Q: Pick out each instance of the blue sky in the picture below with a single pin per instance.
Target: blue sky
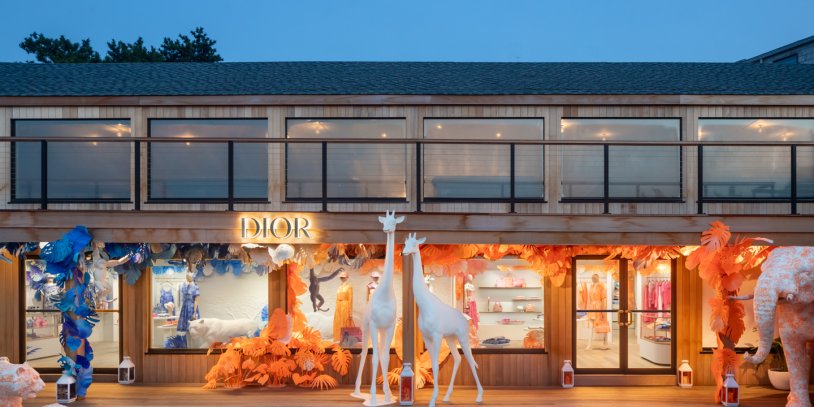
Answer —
(419, 30)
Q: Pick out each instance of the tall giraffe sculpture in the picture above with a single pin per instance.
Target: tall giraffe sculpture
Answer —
(379, 320)
(437, 322)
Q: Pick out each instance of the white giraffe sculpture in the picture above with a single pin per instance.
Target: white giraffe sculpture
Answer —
(438, 321)
(379, 319)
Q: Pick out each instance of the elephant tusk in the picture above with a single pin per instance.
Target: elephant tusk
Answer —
(742, 297)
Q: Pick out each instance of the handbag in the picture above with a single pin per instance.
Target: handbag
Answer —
(601, 326)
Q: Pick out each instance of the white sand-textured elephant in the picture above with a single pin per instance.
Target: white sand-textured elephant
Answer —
(18, 382)
(784, 296)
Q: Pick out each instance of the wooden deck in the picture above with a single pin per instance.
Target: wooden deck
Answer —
(109, 394)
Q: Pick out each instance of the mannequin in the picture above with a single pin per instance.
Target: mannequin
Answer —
(343, 317)
(167, 299)
(189, 303)
(470, 302)
(374, 282)
(313, 287)
(597, 320)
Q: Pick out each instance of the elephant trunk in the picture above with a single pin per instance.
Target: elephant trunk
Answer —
(765, 303)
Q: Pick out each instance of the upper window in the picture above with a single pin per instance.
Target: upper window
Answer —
(353, 171)
(480, 171)
(756, 172)
(76, 171)
(633, 172)
(200, 171)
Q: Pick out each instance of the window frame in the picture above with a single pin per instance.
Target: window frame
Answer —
(229, 200)
(148, 318)
(511, 200)
(793, 198)
(44, 200)
(324, 198)
(606, 200)
(23, 310)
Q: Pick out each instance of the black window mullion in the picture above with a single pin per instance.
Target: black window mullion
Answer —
(43, 174)
(793, 179)
(606, 177)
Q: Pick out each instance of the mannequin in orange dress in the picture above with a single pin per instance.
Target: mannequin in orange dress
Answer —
(597, 297)
(343, 316)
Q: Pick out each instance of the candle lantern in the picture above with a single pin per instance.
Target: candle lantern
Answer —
(684, 375)
(730, 392)
(406, 386)
(66, 388)
(567, 377)
(127, 371)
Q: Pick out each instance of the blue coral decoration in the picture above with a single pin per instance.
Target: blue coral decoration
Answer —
(76, 303)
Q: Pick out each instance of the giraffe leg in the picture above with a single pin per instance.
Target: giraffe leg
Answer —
(362, 357)
(385, 361)
(472, 365)
(456, 358)
(374, 366)
(435, 349)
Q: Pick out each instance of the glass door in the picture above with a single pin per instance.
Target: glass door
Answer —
(622, 317)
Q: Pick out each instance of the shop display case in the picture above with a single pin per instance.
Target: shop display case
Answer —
(655, 340)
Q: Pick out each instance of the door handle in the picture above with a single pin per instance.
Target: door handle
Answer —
(628, 317)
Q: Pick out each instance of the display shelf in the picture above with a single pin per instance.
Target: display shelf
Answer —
(528, 299)
(510, 312)
(511, 288)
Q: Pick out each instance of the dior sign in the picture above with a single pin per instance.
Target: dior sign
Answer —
(278, 227)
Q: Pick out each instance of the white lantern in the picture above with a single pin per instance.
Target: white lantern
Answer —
(730, 393)
(567, 377)
(66, 388)
(684, 376)
(127, 371)
(406, 386)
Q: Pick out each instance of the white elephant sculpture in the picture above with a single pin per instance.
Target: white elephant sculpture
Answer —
(784, 295)
(18, 382)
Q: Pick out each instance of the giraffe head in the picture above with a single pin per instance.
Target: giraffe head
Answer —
(389, 220)
(411, 244)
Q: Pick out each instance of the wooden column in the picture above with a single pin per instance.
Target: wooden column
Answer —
(408, 310)
(10, 275)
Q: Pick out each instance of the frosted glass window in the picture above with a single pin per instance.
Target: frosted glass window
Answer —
(201, 170)
(634, 172)
(76, 170)
(376, 170)
(756, 172)
(482, 171)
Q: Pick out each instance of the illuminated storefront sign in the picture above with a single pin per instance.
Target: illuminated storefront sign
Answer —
(277, 227)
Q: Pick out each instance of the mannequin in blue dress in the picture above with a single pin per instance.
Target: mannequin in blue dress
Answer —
(189, 304)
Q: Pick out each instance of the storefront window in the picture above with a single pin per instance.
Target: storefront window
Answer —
(503, 299)
(354, 171)
(756, 172)
(43, 321)
(200, 306)
(505, 302)
(76, 170)
(201, 170)
(338, 294)
(634, 172)
(461, 171)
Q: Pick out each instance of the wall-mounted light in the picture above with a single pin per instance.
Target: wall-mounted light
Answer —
(384, 135)
(498, 135)
(439, 127)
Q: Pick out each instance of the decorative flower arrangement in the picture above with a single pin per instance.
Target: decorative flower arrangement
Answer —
(724, 266)
(278, 356)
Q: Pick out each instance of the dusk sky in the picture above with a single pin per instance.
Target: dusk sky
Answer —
(460, 30)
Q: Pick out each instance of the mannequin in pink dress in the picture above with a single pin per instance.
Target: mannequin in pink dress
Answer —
(471, 301)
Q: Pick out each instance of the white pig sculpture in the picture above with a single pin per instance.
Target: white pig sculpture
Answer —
(18, 382)
(206, 331)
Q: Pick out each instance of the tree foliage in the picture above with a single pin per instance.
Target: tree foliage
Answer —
(197, 47)
(59, 50)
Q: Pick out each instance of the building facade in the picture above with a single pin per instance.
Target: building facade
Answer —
(585, 156)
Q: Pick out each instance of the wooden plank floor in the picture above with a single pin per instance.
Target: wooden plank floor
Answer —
(113, 395)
